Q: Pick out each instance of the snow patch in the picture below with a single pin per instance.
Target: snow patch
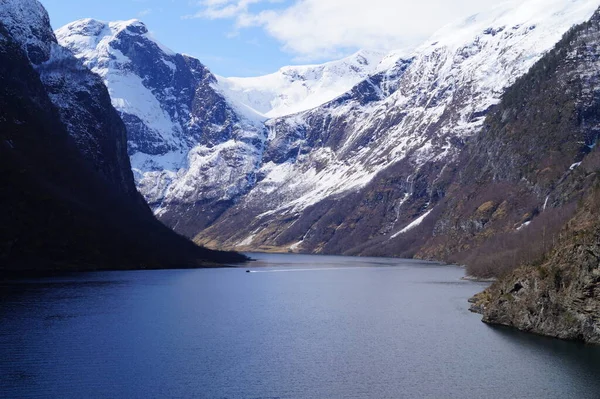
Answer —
(247, 241)
(575, 165)
(411, 226)
(296, 246)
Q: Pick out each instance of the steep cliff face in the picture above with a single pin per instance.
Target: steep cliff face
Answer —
(548, 120)
(521, 177)
(558, 297)
(67, 192)
(81, 97)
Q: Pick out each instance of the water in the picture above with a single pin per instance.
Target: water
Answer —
(346, 328)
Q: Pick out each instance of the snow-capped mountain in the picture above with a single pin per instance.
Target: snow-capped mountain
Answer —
(187, 144)
(348, 173)
(69, 201)
(320, 188)
(295, 89)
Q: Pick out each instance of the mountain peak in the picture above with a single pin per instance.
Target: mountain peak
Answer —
(94, 27)
(29, 24)
(88, 32)
(133, 26)
(298, 88)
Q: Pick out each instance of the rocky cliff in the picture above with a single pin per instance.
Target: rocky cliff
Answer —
(559, 296)
(67, 191)
(557, 292)
(95, 127)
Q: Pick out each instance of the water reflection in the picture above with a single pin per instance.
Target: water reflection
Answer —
(359, 327)
(581, 361)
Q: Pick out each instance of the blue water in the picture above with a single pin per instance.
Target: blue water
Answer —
(296, 327)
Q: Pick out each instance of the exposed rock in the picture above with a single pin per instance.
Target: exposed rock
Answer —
(67, 192)
(560, 298)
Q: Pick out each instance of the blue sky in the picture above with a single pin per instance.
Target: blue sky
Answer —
(255, 37)
(250, 52)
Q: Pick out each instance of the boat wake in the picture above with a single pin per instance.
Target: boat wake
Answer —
(307, 270)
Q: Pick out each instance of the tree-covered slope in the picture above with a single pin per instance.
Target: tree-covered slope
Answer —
(519, 179)
(539, 142)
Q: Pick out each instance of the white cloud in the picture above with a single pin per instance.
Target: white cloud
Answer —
(321, 28)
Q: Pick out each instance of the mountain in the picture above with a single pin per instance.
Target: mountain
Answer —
(68, 196)
(295, 89)
(546, 150)
(367, 173)
(191, 151)
(364, 174)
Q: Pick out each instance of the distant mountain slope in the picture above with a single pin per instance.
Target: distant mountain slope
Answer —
(68, 196)
(364, 173)
(352, 175)
(296, 89)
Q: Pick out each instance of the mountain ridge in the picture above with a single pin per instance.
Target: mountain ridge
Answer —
(402, 127)
(440, 99)
(410, 120)
(294, 89)
(68, 193)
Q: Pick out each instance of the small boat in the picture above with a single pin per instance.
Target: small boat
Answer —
(247, 271)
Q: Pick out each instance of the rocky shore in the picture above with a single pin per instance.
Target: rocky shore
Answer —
(560, 298)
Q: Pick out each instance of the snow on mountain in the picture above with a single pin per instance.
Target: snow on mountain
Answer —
(187, 144)
(413, 117)
(261, 161)
(29, 24)
(92, 41)
(295, 89)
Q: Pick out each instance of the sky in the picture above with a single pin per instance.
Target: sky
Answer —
(256, 37)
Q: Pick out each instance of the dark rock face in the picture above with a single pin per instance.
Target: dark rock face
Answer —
(559, 297)
(85, 108)
(557, 293)
(81, 97)
(64, 208)
(531, 163)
